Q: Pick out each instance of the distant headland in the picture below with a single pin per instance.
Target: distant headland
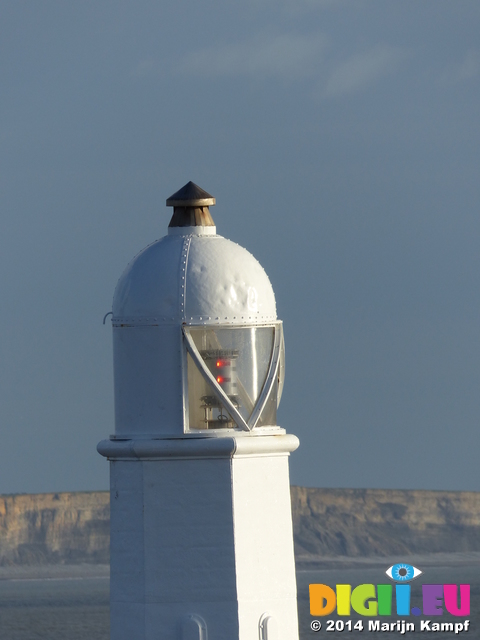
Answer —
(73, 528)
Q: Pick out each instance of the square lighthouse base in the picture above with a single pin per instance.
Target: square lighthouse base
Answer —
(202, 549)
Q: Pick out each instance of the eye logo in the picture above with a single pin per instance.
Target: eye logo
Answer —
(403, 572)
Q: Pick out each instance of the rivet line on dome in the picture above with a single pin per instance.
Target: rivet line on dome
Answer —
(136, 321)
(184, 259)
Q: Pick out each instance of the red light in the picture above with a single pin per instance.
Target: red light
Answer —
(222, 363)
(219, 379)
(219, 363)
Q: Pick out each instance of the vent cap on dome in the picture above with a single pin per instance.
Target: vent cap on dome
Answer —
(191, 195)
(190, 207)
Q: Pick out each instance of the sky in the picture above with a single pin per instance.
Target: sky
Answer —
(341, 141)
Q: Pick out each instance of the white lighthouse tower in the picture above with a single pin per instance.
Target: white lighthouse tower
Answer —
(201, 526)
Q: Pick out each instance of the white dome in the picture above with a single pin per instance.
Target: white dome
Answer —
(195, 277)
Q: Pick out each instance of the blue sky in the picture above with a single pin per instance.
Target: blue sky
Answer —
(341, 140)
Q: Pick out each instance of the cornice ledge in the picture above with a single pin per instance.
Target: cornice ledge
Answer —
(178, 448)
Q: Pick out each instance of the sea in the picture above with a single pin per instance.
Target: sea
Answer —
(72, 602)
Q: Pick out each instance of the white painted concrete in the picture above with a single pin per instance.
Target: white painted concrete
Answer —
(209, 535)
(265, 565)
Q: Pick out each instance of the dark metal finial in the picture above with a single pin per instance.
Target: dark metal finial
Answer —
(190, 207)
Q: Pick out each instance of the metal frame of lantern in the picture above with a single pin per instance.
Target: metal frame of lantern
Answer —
(272, 373)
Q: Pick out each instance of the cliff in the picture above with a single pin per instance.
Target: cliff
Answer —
(51, 528)
(70, 528)
(378, 522)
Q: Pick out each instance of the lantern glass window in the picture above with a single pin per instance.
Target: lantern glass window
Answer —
(239, 361)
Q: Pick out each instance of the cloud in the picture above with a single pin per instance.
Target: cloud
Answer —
(287, 55)
(264, 55)
(363, 69)
(465, 70)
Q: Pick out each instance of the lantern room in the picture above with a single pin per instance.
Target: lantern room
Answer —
(198, 348)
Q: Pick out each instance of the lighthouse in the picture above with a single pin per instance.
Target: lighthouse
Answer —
(201, 525)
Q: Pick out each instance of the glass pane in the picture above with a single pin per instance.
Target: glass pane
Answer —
(238, 358)
(268, 417)
(281, 370)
